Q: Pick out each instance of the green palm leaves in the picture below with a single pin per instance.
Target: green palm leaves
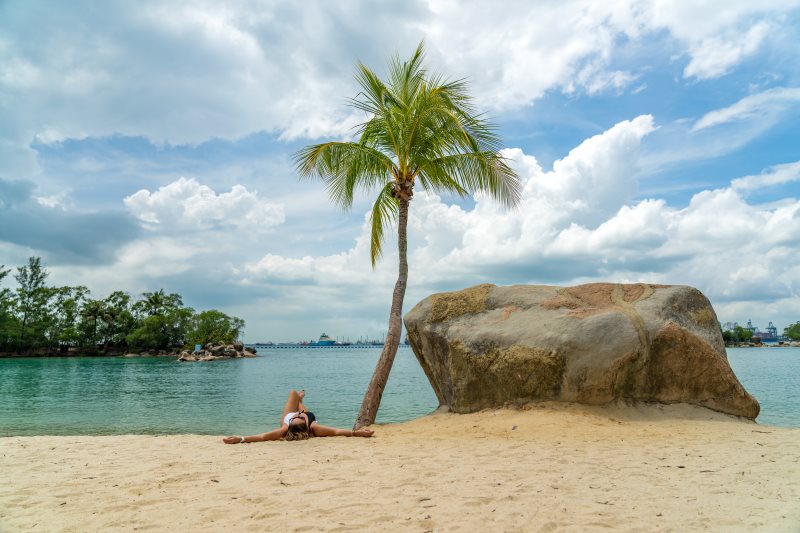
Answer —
(420, 129)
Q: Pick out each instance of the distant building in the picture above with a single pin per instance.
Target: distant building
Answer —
(769, 335)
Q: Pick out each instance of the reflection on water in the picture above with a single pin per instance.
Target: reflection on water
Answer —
(95, 396)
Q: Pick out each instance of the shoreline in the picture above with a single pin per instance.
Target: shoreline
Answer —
(761, 345)
(542, 467)
(129, 355)
(86, 355)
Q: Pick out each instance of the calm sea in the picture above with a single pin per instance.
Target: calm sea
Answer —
(99, 396)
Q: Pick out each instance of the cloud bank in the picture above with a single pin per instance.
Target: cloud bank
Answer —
(578, 223)
(184, 73)
(63, 234)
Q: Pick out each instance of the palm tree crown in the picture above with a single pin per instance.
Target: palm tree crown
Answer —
(421, 129)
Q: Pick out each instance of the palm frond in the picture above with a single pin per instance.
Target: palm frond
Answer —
(384, 210)
(375, 95)
(477, 171)
(406, 77)
(344, 167)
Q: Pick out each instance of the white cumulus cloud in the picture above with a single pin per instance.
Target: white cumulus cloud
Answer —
(185, 204)
(714, 56)
(587, 187)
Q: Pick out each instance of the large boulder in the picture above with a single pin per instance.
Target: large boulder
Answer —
(597, 343)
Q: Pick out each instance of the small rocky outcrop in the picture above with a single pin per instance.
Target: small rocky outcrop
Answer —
(598, 343)
(212, 352)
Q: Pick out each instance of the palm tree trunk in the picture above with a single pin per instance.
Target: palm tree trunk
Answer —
(22, 331)
(372, 398)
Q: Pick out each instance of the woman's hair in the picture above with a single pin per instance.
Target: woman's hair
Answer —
(298, 432)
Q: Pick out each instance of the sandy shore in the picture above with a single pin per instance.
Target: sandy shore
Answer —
(546, 468)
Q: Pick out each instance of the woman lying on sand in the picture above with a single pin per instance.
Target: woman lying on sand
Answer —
(298, 423)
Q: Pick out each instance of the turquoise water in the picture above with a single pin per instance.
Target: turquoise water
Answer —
(98, 396)
(772, 375)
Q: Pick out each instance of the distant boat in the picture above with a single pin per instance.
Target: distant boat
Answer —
(764, 336)
(324, 340)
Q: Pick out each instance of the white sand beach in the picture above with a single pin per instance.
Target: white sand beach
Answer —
(547, 467)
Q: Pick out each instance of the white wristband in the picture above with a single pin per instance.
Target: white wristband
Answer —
(241, 441)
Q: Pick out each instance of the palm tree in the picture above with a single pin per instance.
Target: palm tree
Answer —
(420, 130)
(93, 310)
(158, 303)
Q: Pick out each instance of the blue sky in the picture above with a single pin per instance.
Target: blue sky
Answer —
(147, 145)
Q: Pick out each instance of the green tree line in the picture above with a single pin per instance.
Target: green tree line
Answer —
(737, 334)
(793, 331)
(37, 318)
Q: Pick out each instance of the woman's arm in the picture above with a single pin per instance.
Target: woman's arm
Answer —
(326, 431)
(275, 434)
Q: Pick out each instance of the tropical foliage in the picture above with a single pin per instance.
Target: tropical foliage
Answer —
(793, 331)
(214, 326)
(422, 131)
(737, 334)
(36, 318)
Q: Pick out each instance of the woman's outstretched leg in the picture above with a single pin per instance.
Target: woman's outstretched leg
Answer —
(293, 403)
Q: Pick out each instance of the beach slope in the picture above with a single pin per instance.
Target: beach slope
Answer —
(546, 467)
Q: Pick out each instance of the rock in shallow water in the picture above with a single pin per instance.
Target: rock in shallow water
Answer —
(213, 352)
(597, 343)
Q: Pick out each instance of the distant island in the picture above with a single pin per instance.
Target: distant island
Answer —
(37, 319)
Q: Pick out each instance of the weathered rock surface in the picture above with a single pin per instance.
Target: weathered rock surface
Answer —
(212, 352)
(595, 344)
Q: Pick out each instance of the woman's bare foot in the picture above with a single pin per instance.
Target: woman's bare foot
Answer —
(232, 440)
(363, 432)
(302, 394)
